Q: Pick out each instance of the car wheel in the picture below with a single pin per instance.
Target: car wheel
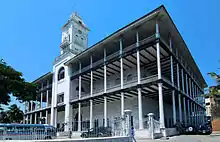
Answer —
(190, 129)
(100, 135)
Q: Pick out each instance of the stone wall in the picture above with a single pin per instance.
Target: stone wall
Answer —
(216, 125)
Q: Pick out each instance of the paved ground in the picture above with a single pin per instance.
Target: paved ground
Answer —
(188, 138)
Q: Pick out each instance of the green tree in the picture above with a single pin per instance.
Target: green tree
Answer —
(15, 115)
(4, 117)
(12, 82)
(212, 93)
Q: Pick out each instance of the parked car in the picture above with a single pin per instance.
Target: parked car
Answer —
(205, 129)
(97, 132)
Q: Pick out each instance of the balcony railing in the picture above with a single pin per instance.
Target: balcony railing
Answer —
(116, 87)
(116, 54)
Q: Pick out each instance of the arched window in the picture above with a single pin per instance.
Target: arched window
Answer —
(61, 73)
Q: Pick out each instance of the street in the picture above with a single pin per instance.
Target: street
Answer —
(188, 138)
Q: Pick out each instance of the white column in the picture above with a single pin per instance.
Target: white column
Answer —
(68, 116)
(31, 105)
(41, 100)
(179, 95)
(184, 110)
(35, 118)
(184, 99)
(188, 108)
(193, 91)
(40, 116)
(105, 111)
(79, 117)
(55, 117)
(47, 98)
(80, 81)
(122, 79)
(140, 112)
(138, 59)
(46, 121)
(188, 101)
(173, 91)
(30, 118)
(27, 119)
(91, 93)
(105, 75)
(161, 109)
(195, 115)
(91, 114)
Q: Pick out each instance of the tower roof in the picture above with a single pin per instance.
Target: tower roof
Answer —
(75, 17)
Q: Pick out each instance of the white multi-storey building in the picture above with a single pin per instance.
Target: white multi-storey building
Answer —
(145, 67)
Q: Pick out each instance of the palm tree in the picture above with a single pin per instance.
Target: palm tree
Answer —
(15, 114)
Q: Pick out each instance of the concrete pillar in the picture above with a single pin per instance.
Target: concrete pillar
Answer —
(91, 115)
(138, 59)
(46, 121)
(122, 79)
(27, 119)
(35, 118)
(40, 117)
(30, 118)
(68, 117)
(189, 118)
(55, 117)
(31, 105)
(47, 98)
(105, 74)
(161, 107)
(80, 81)
(184, 110)
(179, 95)
(173, 91)
(105, 111)
(140, 112)
(79, 117)
(91, 94)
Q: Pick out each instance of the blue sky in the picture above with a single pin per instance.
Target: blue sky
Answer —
(30, 29)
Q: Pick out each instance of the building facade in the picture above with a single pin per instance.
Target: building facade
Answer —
(144, 67)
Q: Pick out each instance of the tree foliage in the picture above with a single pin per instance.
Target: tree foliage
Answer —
(212, 93)
(12, 82)
(13, 115)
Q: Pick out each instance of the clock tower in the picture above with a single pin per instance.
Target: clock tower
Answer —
(74, 35)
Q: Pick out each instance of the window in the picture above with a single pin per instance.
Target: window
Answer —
(61, 73)
(207, 103)
(60, 98)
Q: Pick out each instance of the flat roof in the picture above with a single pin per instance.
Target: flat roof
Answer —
(151, 15)
(43, 77)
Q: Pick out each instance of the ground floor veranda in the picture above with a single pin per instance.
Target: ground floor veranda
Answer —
(107, 109)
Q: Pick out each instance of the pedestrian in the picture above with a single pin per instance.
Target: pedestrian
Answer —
(132, 134)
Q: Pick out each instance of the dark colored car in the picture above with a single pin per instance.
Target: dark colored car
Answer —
(205, 129)
(97, 132)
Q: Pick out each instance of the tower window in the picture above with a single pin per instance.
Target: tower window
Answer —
(61, 73)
